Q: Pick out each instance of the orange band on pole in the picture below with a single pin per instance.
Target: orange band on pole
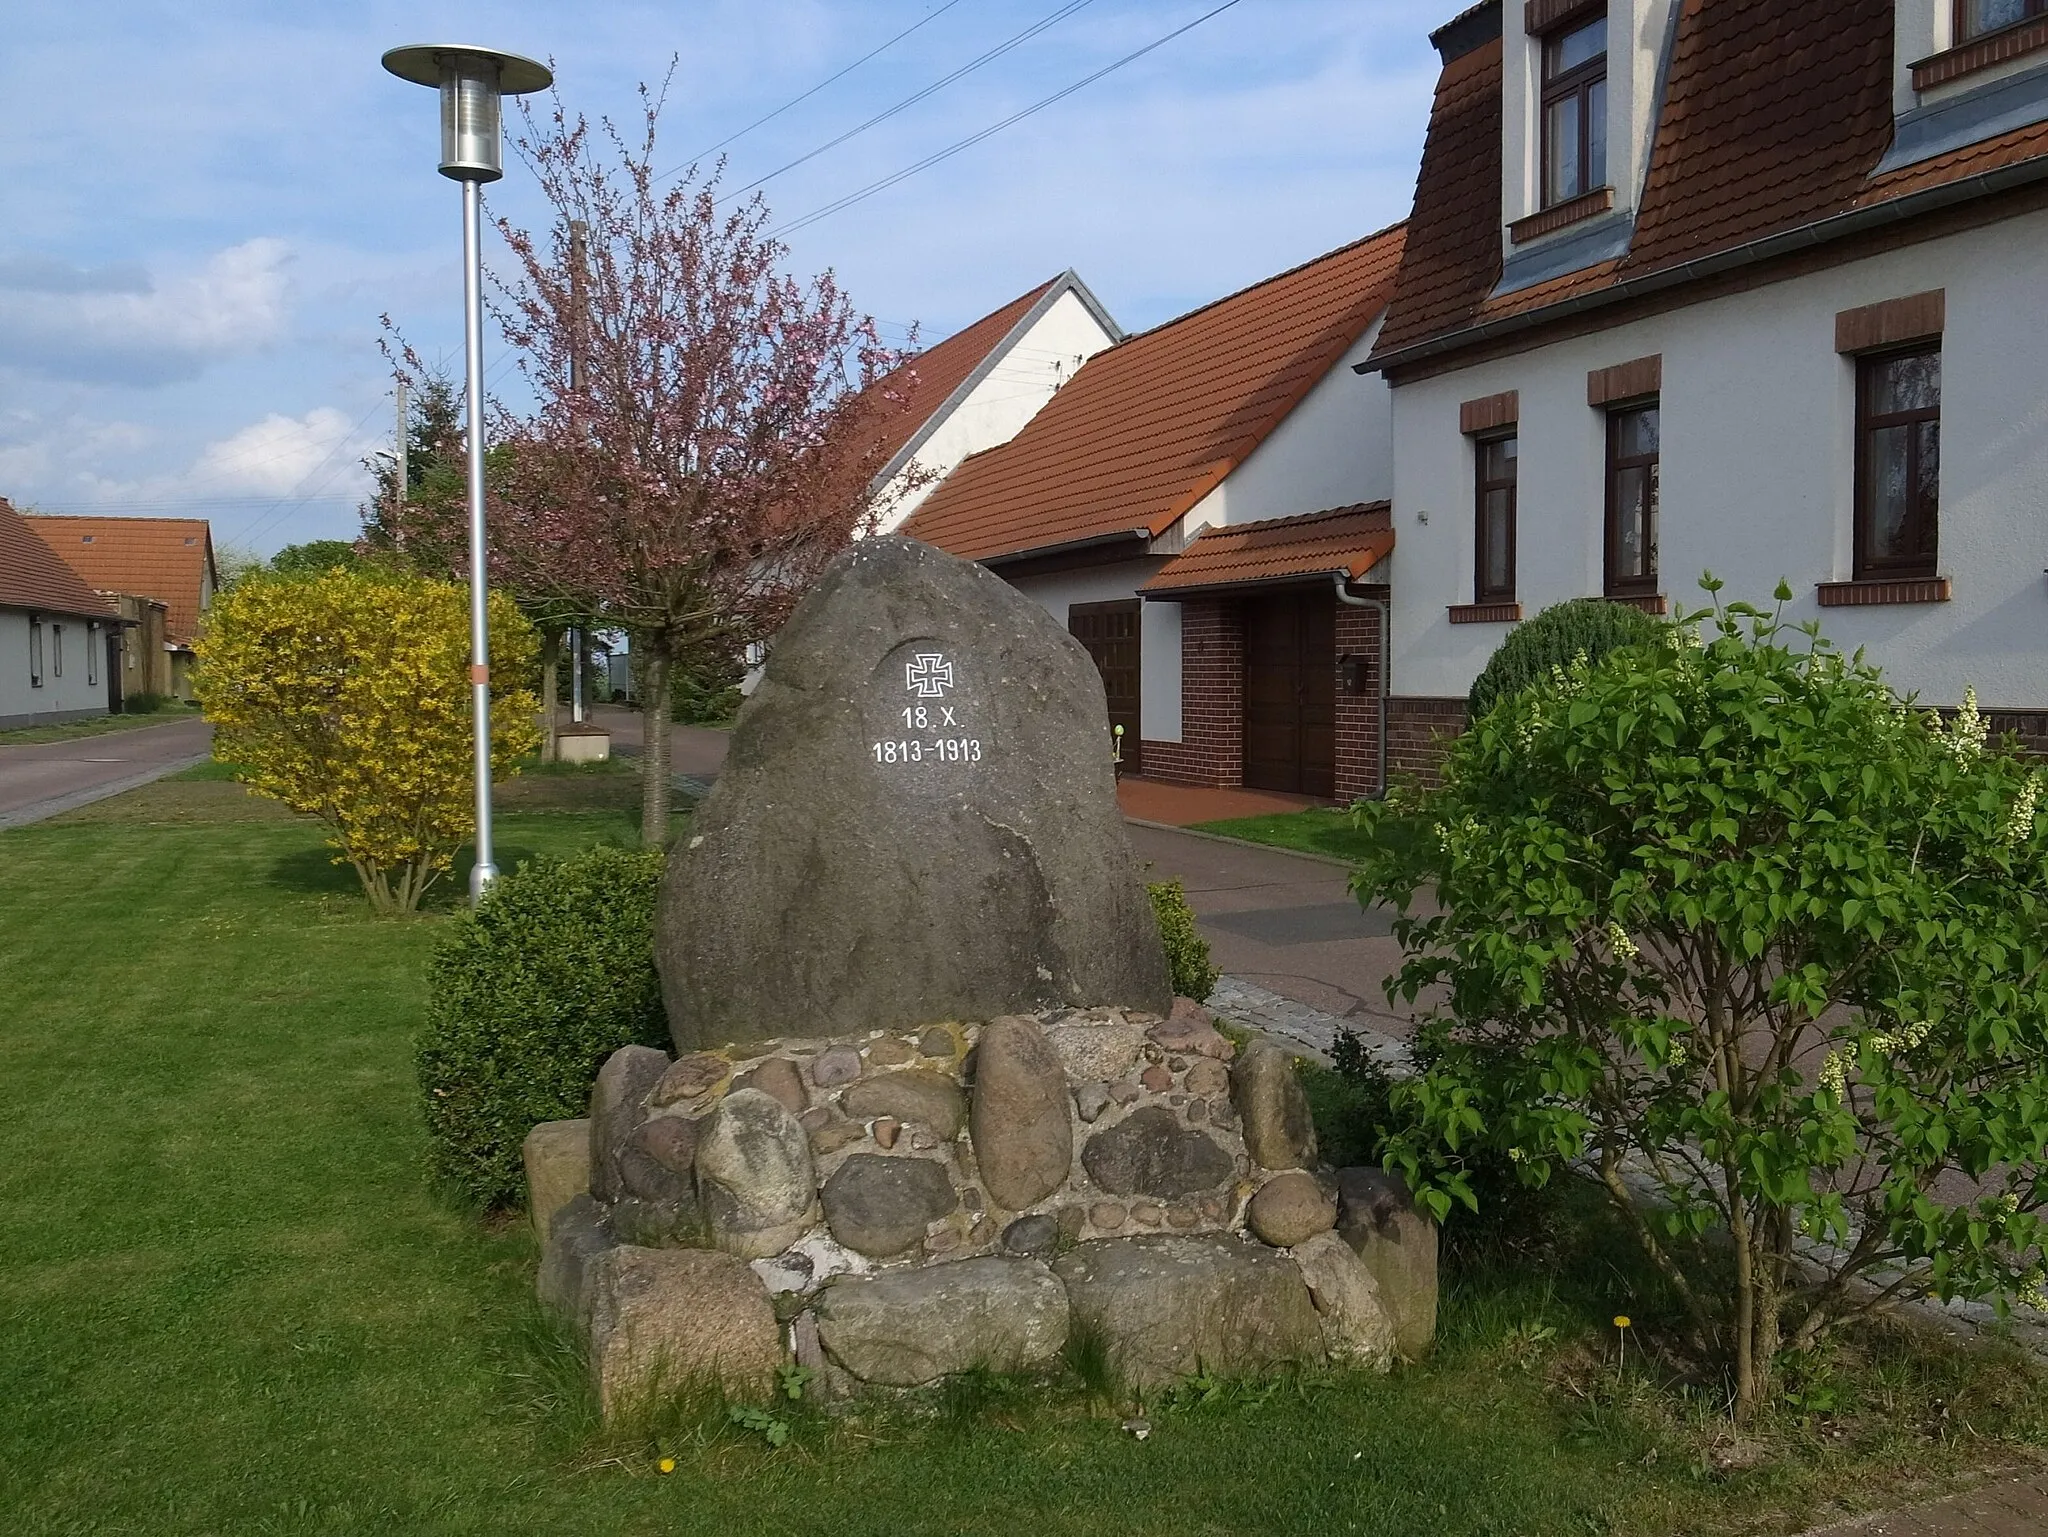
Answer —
(479, 673)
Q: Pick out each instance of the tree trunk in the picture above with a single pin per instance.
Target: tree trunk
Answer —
(550, 660)
(654, 751)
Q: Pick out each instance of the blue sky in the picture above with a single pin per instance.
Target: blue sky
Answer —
(204, 207)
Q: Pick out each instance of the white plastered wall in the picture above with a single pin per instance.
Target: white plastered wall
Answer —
(1757, 483)
(80, 690)
(1636, 33)
(1026, 374)
(1333, 449)
(1158, 633)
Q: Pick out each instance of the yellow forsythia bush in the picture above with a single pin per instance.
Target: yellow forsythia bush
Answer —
(346, 694)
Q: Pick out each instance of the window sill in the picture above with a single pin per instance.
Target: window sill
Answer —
(2011, 42)
(1648, 602)
(1561, 215)
(1485, 613)
(1868, 592)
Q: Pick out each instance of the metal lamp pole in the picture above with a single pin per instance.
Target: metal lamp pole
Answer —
(472, 83)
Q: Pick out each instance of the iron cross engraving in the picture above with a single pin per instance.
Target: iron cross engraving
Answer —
(929, 675)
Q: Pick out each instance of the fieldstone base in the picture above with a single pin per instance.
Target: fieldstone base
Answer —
(913, 1204)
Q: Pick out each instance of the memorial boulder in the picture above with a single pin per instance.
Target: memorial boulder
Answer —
(932, 1098)
(917, 821)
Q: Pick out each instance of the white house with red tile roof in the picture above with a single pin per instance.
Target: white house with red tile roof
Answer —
(978, 387)
(53, 633)
(169, 560)
(1748, 285)
(1243, 417)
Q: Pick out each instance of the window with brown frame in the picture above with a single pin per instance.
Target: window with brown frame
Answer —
(1632, 448)
(1974, 18)
(1493, 579)
(1575, 111)
(35, 652)
(1898, 463)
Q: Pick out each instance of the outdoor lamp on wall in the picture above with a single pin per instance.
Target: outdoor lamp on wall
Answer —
(1351, 674)
(473, 83)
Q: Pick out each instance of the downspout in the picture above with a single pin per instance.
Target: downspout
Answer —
(1346, 596)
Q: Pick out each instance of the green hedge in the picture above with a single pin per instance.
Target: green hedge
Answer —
(1591, 627)
(526, 998)
(1187, 953)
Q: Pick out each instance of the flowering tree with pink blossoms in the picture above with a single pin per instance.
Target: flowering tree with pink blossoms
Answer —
(706, 427)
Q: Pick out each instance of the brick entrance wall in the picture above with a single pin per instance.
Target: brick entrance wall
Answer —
(1211, 748)
(1419, 731)
(1358, 725)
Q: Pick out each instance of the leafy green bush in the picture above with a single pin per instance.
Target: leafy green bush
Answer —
(143, 702)
(1187, 953)
(526, 998)
(1588, 627)
(1729, 919)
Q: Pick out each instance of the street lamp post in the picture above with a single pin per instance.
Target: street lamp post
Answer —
(472, 83)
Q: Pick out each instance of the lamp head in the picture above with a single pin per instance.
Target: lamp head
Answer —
(472, 81)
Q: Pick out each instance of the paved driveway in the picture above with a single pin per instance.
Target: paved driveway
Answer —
(1286, 922)
(41, 779)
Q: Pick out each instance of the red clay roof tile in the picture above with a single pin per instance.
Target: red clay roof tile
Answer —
(34, 576)
(163, 558)
(1348, 539)
(1148, 427)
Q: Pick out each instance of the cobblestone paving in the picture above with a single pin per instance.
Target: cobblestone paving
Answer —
(1311, 1030)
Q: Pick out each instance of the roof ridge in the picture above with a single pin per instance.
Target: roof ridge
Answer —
(1266, 282)
(1297, 519)
(106, 517)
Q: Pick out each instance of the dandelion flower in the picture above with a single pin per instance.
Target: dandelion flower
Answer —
(667, 1464)
(1621, 1320)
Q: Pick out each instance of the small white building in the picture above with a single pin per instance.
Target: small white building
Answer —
(54, 633)
(1742, 286)
(1241, 655)
(978, 387)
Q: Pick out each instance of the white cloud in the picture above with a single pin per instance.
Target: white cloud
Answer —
(117, 325)
(271, 457)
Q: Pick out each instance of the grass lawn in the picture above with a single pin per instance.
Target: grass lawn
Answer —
(1318, 830)
(98, 725)
(229, 1303)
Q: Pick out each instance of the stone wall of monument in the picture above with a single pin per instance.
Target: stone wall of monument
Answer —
(890, 1209)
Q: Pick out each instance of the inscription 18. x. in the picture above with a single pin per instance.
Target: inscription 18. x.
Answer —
(928, 679)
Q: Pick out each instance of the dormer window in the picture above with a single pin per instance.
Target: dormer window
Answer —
(1974, 18)
(1575, 108)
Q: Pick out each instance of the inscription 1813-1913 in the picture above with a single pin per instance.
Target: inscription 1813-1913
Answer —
(923, 714)
(917, 821)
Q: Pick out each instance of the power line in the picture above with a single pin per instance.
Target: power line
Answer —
(807, 95)
(912, 100)
(249, 530)
(994, 128)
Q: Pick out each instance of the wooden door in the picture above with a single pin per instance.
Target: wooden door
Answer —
(1290, 693)
(1109, 631)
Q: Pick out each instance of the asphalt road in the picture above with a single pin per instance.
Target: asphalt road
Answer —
(44, 778)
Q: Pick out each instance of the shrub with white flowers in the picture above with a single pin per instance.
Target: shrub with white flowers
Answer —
(1720, 913)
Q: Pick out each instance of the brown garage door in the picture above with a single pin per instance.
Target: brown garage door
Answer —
(1110, 632)
(1290, 693)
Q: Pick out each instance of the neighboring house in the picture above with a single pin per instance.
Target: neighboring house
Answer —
(169, 560)
(1748, 285)
(975, 389)
(54, 632)
(1228, 657)
(143, 664)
